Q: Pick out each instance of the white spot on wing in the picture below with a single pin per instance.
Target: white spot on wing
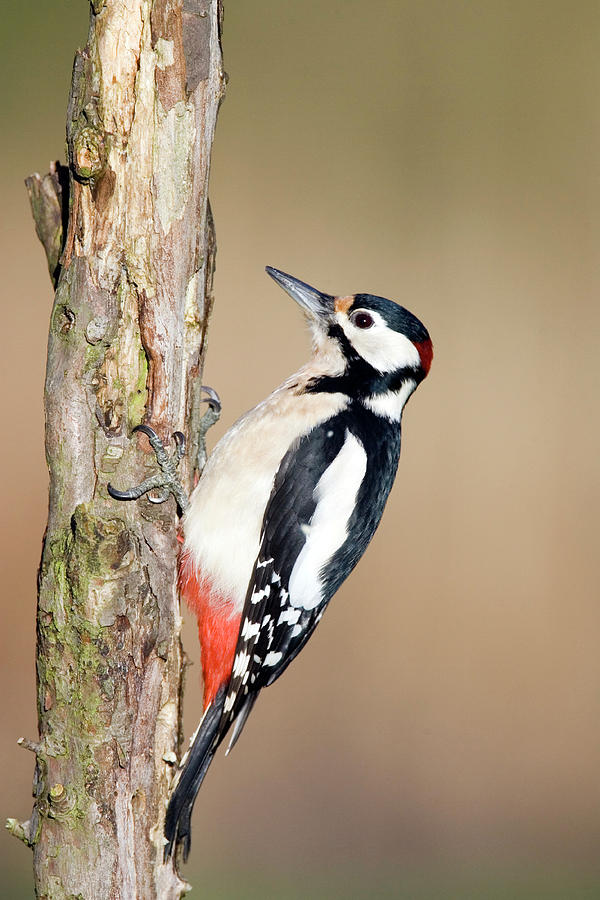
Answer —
(241, 664)
(257, 596)
(250, 630)
(289, 615)
(271, 659)
(270, 629)
(335, 495)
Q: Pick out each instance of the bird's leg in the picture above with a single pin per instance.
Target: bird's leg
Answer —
(167, 481)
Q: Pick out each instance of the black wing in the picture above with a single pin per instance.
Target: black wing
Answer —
(272, 630)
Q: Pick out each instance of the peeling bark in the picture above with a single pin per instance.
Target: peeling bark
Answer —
(48, 196)
(133, 274)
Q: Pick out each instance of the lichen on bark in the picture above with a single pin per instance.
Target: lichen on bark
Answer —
(133, 271)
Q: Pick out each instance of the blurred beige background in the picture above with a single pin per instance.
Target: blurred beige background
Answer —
(440, 735)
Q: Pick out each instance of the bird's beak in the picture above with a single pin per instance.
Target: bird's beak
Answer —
(312, 301)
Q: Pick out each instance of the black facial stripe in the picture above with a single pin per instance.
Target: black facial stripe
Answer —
(353, 385)
(360, 379)
(336, 332)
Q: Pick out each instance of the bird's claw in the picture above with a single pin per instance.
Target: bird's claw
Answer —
(209, 418)
(165, 481)
(213, 399)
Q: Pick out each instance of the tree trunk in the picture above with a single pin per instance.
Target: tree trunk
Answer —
(133, 273)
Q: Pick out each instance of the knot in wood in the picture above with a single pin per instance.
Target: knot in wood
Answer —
(89, 153)
(60, 800)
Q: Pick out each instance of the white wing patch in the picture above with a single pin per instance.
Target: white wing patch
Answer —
(335, 494)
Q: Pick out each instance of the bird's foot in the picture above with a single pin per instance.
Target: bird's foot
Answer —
(210, 417)
(167, 482)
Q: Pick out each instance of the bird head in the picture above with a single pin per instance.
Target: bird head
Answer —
(372, 334)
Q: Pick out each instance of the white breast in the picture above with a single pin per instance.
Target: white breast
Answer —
(223, 522)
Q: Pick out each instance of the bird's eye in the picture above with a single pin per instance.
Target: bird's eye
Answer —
(362, 319)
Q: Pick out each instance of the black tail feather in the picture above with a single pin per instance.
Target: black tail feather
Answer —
(200, 756)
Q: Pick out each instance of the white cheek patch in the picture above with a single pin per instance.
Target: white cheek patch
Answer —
(335, 495)
(384, 349)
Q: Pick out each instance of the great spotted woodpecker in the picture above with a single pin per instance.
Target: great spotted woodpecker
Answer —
(286, 506)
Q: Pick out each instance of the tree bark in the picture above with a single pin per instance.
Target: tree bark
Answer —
(133, 274)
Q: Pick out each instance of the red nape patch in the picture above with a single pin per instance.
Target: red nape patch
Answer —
(218, 630)
(425, 349)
